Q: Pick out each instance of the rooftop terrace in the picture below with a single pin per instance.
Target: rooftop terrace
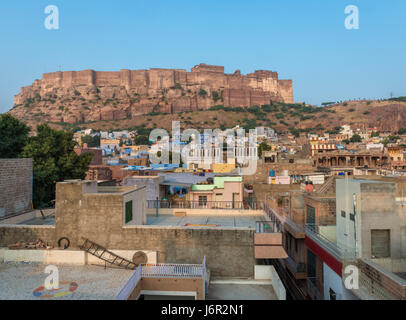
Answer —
(19, 280)
(205, 221)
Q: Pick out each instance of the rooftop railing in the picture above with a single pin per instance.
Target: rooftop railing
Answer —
(295, 226)
(162, 270)
(172, 270)
(274, 219)
(267, 227)
(338, 250)
(167, 204)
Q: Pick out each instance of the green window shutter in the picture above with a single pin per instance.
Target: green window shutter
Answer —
(128, 211)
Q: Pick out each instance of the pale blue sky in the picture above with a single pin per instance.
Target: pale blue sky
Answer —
(302, 40)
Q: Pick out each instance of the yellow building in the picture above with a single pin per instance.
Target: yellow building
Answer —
(396, 153)
(222, 167)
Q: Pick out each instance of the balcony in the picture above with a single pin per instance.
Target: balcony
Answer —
(268, 241)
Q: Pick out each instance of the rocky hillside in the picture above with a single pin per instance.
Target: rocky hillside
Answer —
(205, 97)
(293, 118)
(87, 96)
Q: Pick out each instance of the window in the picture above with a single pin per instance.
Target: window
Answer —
(202, 200)
(380, 243)
(310, 215)
(128, 211)
(343, 213)
(352, 217)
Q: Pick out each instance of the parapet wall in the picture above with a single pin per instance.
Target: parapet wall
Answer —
(10, 234)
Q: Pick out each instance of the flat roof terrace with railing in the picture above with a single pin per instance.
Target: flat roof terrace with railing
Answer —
(209, 214)
(205, 221)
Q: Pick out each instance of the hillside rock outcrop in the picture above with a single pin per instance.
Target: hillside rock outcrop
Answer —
(85, 96)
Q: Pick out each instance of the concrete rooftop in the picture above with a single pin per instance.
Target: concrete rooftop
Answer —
(19, 280)
(241, 290)
(203, 221)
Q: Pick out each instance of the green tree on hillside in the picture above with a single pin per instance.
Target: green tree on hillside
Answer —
(54, 160)
(13, 136)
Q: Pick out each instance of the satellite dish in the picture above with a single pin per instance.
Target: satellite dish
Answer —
(140, 257)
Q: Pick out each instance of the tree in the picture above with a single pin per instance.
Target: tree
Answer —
(54, 160)
(263, 147)
(141, 141)
(13, 136)
(390, 139)
(356, 138)
(91, 141)
(202, 93)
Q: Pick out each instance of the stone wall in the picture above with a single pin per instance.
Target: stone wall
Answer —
(15, 186)
(325, 209)
(13, 233)
(229, 252)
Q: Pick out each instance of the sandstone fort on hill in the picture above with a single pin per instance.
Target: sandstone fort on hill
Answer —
(85, 96)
